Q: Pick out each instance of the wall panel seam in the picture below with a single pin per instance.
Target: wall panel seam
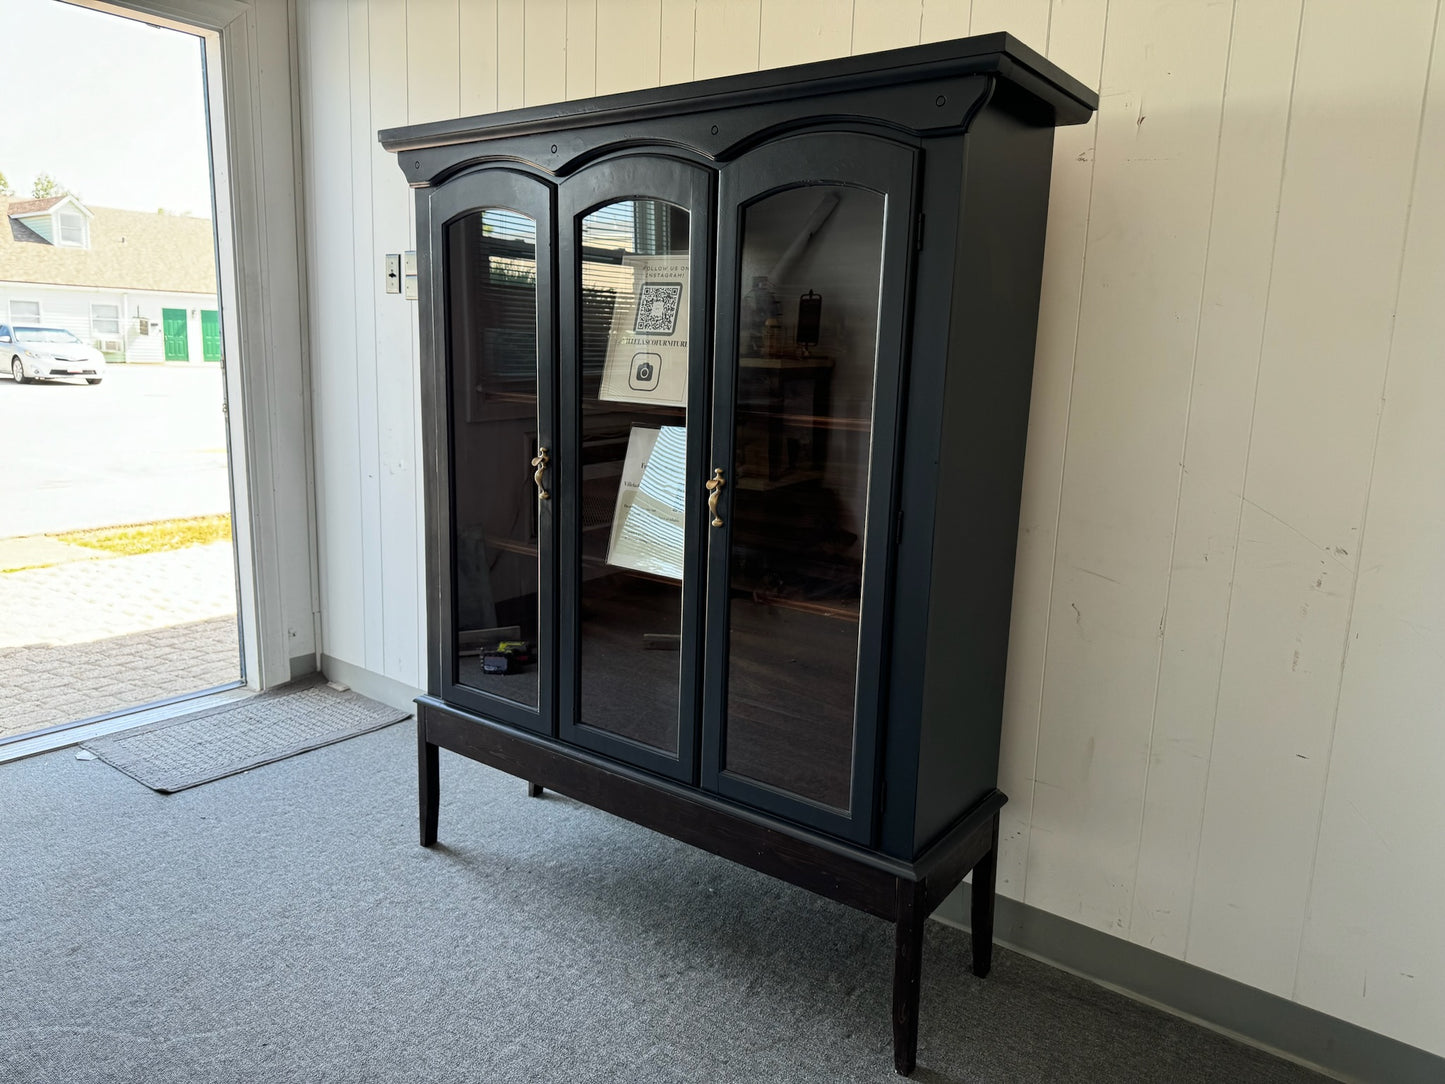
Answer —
(366, 588)
(1369, 487)
(1183, 457)
(368, 266)
(1063, 458)
(1244, 477)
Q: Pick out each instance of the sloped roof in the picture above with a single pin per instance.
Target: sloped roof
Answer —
(33, 206)
(129, 250)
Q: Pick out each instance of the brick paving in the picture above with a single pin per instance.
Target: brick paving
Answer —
(90, 637)
(46, 686)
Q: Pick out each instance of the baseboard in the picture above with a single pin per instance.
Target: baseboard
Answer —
(389, 691)
(1340, 1049)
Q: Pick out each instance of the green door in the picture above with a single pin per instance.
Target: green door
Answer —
(173, 325)
(210, 335)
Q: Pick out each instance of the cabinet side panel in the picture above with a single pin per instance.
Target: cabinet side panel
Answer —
(998, 268)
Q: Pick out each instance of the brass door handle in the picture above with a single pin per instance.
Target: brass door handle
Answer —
(714, 487)
(540, 462)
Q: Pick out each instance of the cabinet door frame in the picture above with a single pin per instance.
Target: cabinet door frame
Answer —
(889, 168)
(471, 192)
(634, 175)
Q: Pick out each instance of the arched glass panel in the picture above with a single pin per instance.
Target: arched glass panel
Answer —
(807, 346)
(492, 330)
(634, 373)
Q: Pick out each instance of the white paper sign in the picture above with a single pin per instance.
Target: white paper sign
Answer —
(647, 523)
(647, 344)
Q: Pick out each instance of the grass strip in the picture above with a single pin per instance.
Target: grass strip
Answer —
(166, 534)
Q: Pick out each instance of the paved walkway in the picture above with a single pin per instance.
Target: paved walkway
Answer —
(46, 686)
(153, 626)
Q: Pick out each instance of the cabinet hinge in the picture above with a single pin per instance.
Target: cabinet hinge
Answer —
(918, 233)
(898, 528)
(883, 796)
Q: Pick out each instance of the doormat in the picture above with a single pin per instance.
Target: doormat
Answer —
(206, 745)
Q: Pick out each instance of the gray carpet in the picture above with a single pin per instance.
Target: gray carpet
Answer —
(284, 926)
(210, 744)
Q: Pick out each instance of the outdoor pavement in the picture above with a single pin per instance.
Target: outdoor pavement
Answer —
(149, 443)
(83, 632)
(97, 634)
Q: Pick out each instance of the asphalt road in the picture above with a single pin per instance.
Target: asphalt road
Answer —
(149, 443)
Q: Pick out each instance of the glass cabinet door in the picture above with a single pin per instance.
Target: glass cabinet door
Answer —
(496, 325)
(635, 251)
(808, 376)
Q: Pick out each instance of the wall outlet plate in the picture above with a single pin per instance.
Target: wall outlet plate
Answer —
(408, 271)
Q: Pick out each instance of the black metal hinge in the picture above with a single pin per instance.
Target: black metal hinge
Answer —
(918, 233)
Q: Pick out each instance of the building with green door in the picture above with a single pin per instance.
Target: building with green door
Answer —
(138, 286)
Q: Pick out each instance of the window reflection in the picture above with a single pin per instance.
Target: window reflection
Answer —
(635, 342)
(492, 326)
(807, 339)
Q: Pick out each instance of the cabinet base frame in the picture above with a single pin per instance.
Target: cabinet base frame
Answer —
(904, 893)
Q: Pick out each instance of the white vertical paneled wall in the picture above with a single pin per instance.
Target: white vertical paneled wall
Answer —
(1224, 722)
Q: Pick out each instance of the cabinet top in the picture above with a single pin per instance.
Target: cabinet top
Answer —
(1056, 96)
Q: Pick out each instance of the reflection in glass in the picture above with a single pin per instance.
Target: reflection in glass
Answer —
(634, 427)
(807, 339)
(492, 328)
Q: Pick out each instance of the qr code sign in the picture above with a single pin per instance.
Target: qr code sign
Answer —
(657, 308)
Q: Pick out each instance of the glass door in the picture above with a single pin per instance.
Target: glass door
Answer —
(812, 283)
(635, 246)
(490, 248)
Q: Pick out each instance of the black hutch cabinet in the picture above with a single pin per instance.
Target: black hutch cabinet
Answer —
(725, 392)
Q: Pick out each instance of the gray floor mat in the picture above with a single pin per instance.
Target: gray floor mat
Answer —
(185, 752)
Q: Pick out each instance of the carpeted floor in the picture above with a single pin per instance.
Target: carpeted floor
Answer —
(283, 925)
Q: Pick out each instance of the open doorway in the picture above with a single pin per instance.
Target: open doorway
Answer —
(118, 581)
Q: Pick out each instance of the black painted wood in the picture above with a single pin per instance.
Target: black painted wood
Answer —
(1063, 98)
(875, 165)
(956, 138)
(985, 874)
(907, 973)
(518, 192)
(859, 878)
(684, 185)
(988, 341)
(428, 784)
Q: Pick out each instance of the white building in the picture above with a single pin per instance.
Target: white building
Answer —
(138, 286)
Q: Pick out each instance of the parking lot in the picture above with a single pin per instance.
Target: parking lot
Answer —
(149, 443)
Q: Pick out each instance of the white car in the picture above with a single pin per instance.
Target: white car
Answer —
(48, 353)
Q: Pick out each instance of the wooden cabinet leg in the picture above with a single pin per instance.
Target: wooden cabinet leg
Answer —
(428, 785)
(534, 790)
(907, 975)
(984, 876)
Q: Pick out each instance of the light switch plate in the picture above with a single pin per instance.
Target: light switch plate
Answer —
(393, 273)
(408, 272)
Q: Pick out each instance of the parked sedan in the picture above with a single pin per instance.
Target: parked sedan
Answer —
(48, 353)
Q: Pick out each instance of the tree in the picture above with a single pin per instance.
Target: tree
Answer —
(5, 189)
(46, 186)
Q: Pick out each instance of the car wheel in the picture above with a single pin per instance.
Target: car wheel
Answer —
(17, 371)
(93, 380)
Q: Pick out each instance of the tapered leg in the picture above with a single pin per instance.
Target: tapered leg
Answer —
(907, 973)
(534, 790)
(428, 785)
(984, 876)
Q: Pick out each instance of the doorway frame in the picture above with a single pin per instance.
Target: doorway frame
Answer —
(249, 67)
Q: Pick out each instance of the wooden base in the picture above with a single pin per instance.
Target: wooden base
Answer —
(904, 893)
